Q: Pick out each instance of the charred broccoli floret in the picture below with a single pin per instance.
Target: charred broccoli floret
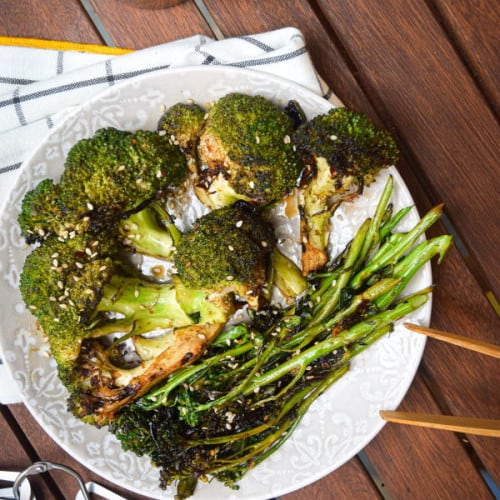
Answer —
(42, 213)
(341, 151)
(182, 122)
(106, 176)
(228, 249)
(245, 152)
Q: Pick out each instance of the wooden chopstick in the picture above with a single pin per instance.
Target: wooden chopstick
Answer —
(459, 340)
(468, 425)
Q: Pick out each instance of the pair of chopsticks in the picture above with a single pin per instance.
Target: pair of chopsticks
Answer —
(479, 426)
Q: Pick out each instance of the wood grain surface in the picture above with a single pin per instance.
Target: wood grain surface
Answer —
(428, 71)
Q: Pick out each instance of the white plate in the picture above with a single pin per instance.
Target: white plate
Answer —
(336, 427)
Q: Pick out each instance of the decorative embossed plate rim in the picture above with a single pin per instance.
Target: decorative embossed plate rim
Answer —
(338, 425)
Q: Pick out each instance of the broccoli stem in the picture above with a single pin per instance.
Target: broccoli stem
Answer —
(391, 251)
(390, 225)
(409, 265)
(287, 276)
(331, 298)
(344, 338)
(150, 232)
(159, 396)
(135, 299)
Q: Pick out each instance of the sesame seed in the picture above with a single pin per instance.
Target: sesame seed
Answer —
(90, 206)
(32, 307)
(60, 284)
(257, 139)
(56, 320)
(162, 133)
(55, 263)
(55, 255)
(159, 174)
(79, 265)
(138, 180)
(263, 243)
(63, 306)
(163, 108)
(229, 278)
(251, 184)
(121, 168)
(52, 298)
(333, 137)
(230, 247)
(41, 232)
(287, 139)
(239, 223)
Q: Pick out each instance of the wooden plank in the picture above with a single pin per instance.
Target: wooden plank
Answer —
(419, 85)
(430, 464)
(464, 382)
(473, 27)
(50, 20)
(136, 28)
(255, 16)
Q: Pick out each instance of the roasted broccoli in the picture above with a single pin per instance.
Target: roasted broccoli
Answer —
(228, 249)
(341, 152)
(109, 175)
(78, 288)
(42, 214)
(245, 152)
(81, 296)
(182, 122)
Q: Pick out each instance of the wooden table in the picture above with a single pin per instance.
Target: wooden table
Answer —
(428, 71)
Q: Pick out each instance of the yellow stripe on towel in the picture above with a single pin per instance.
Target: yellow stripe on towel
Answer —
(62, 45)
